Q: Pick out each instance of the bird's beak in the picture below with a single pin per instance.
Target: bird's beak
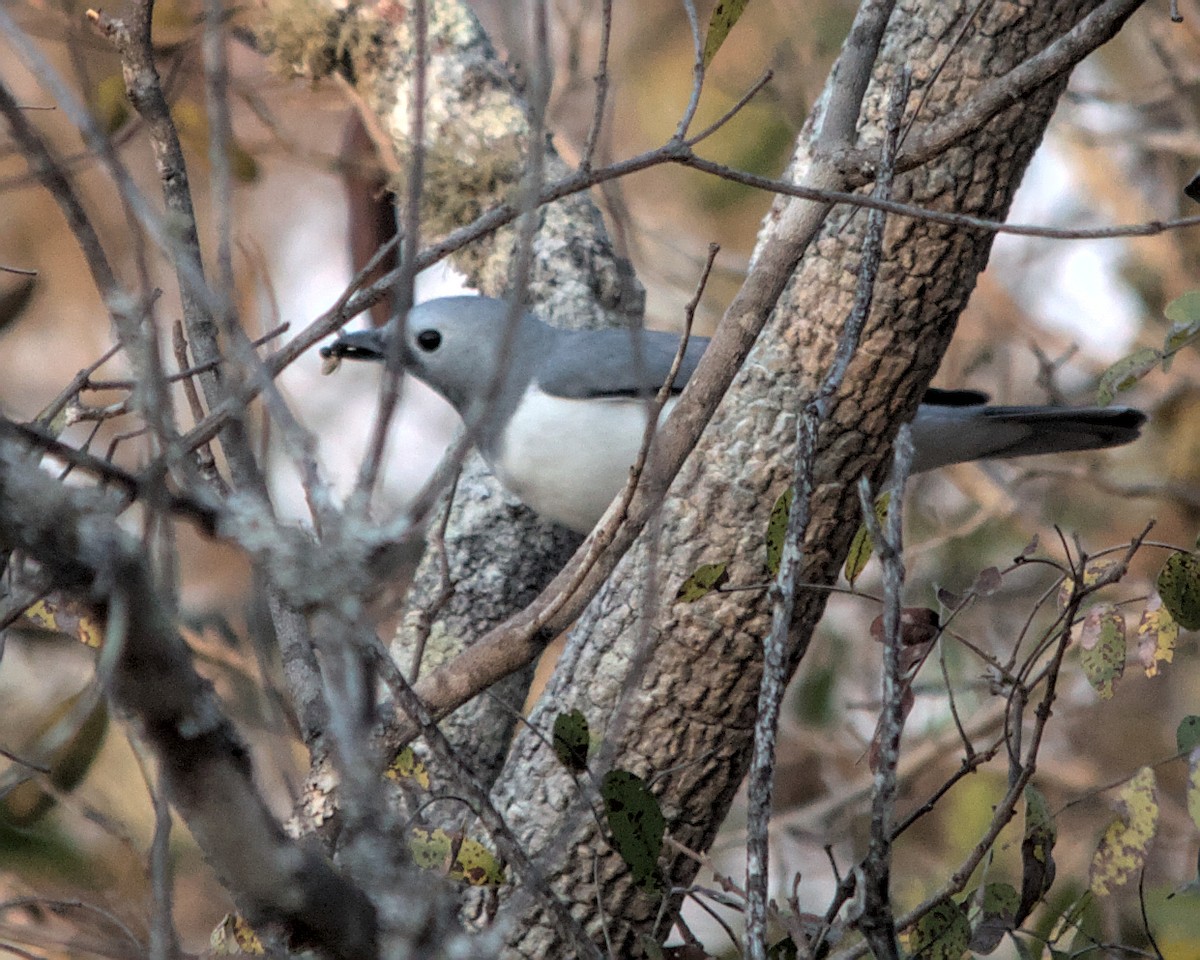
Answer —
(360, 345)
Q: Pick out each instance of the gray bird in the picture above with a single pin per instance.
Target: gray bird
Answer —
(566, 423)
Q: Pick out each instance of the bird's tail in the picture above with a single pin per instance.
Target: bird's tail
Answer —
(954, 434)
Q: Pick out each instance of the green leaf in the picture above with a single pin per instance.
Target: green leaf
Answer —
(1187, 734)
(652, 948)
(1093, 573)
(777, 530)
(942, 934)
(1037, 853)
(67, 740)
(784, 949)
(1179, 586)
(15, 299)
(1125, 373)
(1102, 648)
(706, 578)
(110, 104)
(1122, 849)
(720, 23)
(1193, 786)
(636, 824)
(571, 740)
(1000, 902)
(1184, 314)
(456, 856)
(862, 545)
(1023, 950)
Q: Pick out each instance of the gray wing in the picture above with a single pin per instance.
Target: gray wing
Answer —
(607, 363)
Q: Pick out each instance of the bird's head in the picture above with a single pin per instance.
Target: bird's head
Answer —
(454, 344)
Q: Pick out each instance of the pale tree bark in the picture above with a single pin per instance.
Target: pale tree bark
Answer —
(671, 689)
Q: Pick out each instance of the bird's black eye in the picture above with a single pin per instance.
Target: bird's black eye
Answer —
(429, 340)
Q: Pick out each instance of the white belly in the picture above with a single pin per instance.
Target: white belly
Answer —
(568, 459)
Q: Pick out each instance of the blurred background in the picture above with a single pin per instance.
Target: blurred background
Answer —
(1046, 319)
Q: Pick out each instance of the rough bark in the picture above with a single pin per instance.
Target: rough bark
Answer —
(672, 688)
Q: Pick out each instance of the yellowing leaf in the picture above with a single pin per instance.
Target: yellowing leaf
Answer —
(407, 766)
(1179, 586)
(706, 578)
(457, 857)
(194, 132)
(862, 546)
(110, 104)
(476, 865)
(720, 23)
(1093, 573)
(1122, 849)
(777, 529)
(233, 936)
(942, 934)
(67, 618)
(1102, 648)
(1156, 634)
(1125, 373)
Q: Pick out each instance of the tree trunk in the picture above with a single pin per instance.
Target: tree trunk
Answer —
(671, 688)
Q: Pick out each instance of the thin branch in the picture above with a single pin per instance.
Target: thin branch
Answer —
(877, 921)
(53, 179)
(147, 673)
(689, 112)
(1010, 90)
(164, 941)
(389, 392)
(778, 652)
(477, 795)
(742, 101)
(355, 300)
(428, 613)
(601, 78)
(205, 515)
(206, 313)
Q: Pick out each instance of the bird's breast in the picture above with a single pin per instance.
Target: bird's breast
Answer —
(567, 458)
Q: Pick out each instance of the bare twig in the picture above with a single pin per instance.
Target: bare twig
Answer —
(689, 112)
(1062, 55)
(877, 921)
(480, 800)
(598, 111)
(389, 393)
(779, 654)
(429, 612)
(148, 673)
(205, 515)
(164, 941)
